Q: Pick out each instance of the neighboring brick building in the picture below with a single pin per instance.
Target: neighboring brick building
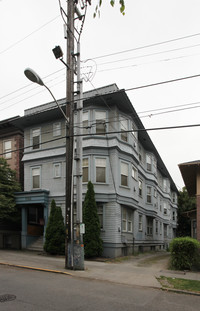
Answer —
(11, 146)
(11, 149)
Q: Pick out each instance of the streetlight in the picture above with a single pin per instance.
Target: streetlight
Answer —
(34, 77)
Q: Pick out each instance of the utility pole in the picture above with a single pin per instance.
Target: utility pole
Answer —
(69, 136)
(74, 253)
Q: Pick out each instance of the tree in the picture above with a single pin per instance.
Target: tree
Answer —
(185, 204)
(8, 186)
(112, 2)
(55, 232)
(93, 244)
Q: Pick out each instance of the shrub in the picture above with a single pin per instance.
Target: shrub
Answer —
(184, 253)
(93, 245)
(55, 232)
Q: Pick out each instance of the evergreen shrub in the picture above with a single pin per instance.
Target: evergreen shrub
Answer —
(55, 232)
(184, 253)
(93, 245)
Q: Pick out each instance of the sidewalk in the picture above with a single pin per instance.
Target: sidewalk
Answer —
(141, 270)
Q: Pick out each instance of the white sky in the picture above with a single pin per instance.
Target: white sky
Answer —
(30, 29)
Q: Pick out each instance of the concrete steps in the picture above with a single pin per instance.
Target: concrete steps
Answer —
(37, 245)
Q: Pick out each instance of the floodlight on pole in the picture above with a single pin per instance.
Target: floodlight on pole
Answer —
(34, 77)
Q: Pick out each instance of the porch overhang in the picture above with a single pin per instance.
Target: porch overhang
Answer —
(26, 198)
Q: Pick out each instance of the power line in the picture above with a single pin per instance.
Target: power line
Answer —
(19, 41)
(108, 133)
(146, 46)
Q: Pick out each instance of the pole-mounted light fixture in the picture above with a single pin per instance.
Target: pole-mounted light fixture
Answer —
(34, 77)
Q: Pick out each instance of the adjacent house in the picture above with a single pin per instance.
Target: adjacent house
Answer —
(11, 148)
(135, 194)
(191, 175)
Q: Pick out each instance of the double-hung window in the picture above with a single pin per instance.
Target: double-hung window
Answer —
(100, 213)
(149, 226)
(124, 129)
(124, 174)
(36, 177)
(36, 138)
(56, 129)
(57, 170)
(134, 172)
(85, 122)
(149, 194)
(100, 164)
(8, 149)
(140, 188)
(85, 169)
(127, 220)
(140, 223)
(100, 117)
(149, 163)
(165, 208)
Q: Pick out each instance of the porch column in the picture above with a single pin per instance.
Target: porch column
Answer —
(24, 228)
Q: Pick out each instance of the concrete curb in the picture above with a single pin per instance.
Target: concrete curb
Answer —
(35, 268)
(180, 291)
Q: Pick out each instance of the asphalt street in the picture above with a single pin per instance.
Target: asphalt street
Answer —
(22, 289)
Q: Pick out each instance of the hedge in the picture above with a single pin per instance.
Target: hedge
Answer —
(184, 253)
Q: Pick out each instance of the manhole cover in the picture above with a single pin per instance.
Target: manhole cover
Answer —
(7, 297)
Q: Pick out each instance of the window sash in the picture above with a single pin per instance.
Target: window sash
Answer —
(85, 170)
(36, 139)
(57, 170)
(57, 129)
(8, 149)
(100, 164)
(149, 226)
(149, 199)
(124, 128)
(35, 178)
(134, 172)
(100, 117)
(140, 188)
(149, 163)
(140, 222)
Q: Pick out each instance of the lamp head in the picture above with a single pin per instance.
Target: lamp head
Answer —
(33, 76)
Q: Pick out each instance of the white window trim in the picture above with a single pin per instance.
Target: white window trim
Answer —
(32, 130)
(127, 220)
(56, 130)
(54, 170)
(140, 182)
(88, 168)
(140, 222)
(149, 195)
(127, 165)
(32, 168)
(101, 119)
(103, 158)
(7, 151)
(134, 172)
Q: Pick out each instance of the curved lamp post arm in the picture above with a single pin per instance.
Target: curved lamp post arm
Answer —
(34, 77)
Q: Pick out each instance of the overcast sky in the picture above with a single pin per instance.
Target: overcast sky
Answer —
(156, 41)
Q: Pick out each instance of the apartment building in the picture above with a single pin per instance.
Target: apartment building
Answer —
(135, 194)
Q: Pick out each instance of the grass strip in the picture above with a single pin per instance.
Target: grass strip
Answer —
(181, 284)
